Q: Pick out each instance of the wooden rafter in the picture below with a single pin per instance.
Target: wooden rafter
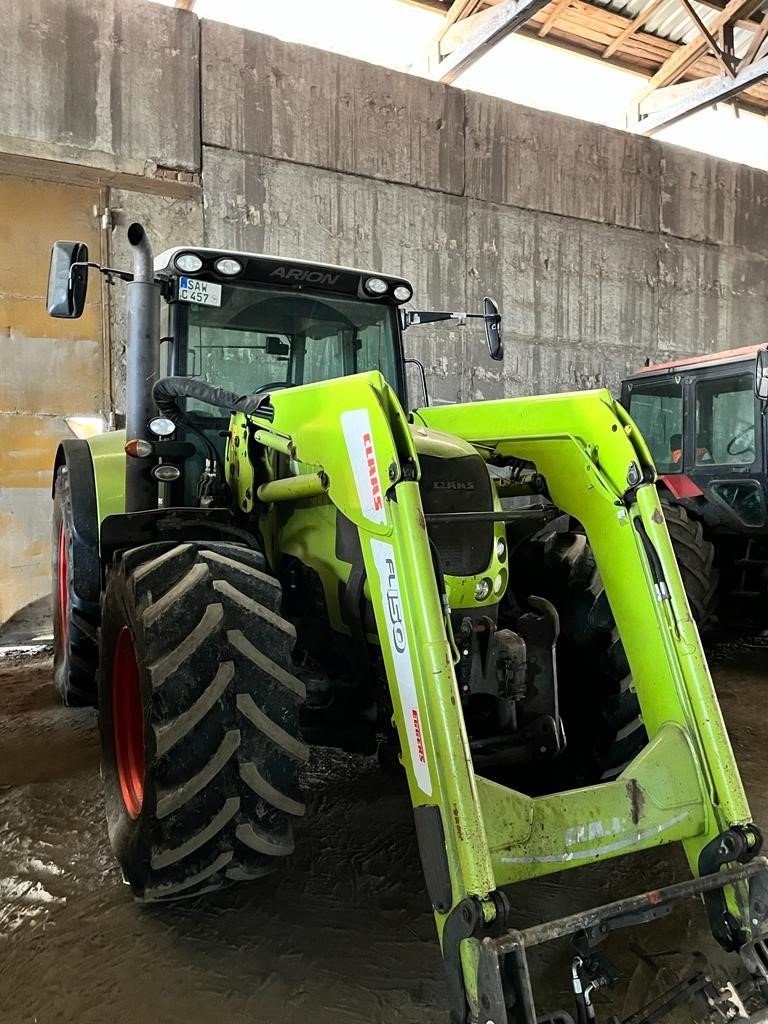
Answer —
(557, 9)
(186, 5)
(497, 22)
(685, 56)
(756, 44)
(715, 46)
(698, 95)
(633, 26)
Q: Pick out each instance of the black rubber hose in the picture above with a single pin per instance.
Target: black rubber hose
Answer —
(168, 389)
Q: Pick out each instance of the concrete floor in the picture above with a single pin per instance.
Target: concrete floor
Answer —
(344, 935)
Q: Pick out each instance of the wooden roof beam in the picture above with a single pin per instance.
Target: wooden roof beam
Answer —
(756, 44)
(632, 27)
(687, 55)
(497, 22)
(557, 9)
(696, 96)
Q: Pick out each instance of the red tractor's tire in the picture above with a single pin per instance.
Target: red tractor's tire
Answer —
(199, 719)
(75, 619)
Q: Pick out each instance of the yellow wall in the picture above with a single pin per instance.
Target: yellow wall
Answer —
(48, 369)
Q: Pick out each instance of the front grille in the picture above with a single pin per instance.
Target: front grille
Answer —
(458, 485)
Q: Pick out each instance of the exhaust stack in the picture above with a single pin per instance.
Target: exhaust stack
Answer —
(143, 368)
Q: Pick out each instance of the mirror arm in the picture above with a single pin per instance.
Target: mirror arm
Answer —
(414, 317)
(422, 374)
(108, 272)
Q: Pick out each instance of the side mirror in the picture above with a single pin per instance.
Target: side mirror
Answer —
(761, 375)
(68, 280)
(493, 329)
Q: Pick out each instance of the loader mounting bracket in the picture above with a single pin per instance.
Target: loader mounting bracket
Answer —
(594, 923)
(740, 844)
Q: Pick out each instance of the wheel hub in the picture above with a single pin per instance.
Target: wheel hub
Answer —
(128, 723)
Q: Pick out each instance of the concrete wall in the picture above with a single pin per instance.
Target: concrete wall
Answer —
(111, 84)
(602, 248)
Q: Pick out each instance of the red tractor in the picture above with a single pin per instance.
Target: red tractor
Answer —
(704, 421)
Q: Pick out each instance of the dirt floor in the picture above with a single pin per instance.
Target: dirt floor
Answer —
(344, 935)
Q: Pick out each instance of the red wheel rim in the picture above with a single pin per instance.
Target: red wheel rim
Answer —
(128, 723)
(63, 588)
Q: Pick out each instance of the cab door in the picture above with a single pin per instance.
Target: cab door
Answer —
(724, 450)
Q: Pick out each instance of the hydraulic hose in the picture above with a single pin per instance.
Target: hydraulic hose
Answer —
(168, 389)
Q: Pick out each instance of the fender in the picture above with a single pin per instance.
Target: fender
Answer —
(76, 456)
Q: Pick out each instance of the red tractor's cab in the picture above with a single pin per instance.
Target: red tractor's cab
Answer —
(704, 423)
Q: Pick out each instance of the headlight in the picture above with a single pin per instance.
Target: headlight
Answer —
(228, 266)
(402, 293)
(501, 546)
(189, 263)
(483, 589)
(162, 426)
(166, 473)
(375, 286)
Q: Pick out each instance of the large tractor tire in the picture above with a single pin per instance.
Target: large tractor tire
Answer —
(599, 705)
(695, 559)
(199, 719)
(75, 618)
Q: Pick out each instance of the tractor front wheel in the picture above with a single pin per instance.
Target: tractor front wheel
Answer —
(199, 719)
(75, 618)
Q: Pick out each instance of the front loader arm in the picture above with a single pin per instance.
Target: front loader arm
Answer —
(474, 835)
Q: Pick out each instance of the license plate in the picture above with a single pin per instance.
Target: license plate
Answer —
(202, 292)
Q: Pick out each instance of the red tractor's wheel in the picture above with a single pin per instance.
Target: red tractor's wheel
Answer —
(128, 723)
(75, 615)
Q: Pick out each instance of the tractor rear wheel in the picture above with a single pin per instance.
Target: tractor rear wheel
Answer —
(599, 705)
(695, 559)
(75, 619)
(199, 719)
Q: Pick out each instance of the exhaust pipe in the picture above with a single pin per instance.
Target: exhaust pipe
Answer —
(143, 368)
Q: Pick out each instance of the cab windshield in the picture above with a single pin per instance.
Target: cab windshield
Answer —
(657, 409)
(260, 340)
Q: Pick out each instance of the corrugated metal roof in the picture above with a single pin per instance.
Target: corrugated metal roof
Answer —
(671, 21)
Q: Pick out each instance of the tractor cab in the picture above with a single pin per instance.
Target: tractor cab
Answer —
(253, 324)
(248, 324)
(703, 421)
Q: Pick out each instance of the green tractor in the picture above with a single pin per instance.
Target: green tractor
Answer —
(704, 422)
(276, 552)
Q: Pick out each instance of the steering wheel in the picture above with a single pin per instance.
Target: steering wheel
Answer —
(743, 435)
(272, 386)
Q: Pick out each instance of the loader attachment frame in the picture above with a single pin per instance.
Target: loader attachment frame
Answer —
(476, 836)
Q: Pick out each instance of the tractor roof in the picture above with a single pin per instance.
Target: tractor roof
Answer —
(277, 270)
(734, 355)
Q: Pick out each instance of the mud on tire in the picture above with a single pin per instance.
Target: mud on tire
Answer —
(75, 618)
(201, 790)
